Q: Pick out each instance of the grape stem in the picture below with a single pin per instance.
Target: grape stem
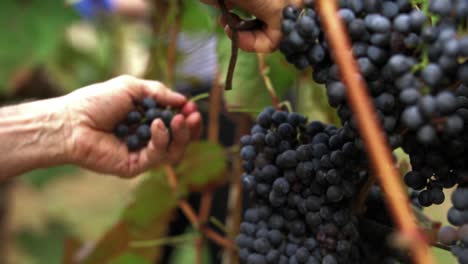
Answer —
(269, 86)
(235, 26)
(243, 110)
(442, 246)
(234, 43)
(360, 203)
(286, 104)
(199, 97)
(216, 222)
(165, 241)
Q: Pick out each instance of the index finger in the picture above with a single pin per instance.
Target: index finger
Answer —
(162, 94)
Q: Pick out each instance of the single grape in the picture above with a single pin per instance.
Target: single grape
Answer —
(151, 115)
(148, 103)
(134, 117)
(144, 133)
(121, 130)
(133, 142)
(167, 116)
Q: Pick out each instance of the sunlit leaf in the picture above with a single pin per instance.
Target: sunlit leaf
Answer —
(111, 245)
(153, 200)
(46, 246)
(145, 218)
(204, 164)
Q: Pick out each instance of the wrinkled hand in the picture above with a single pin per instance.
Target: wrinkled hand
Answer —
(270, 12)
(94, 111)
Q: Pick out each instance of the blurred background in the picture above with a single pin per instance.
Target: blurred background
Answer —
(52, 47)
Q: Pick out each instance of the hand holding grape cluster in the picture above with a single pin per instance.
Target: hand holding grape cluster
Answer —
(136, 129)
(153, 135)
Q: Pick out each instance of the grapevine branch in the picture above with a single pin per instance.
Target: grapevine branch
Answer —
(376, 146)
(186, 208)
(235, 26)
(189, 212)
(213, 133)
(234, 214)
(165, 241)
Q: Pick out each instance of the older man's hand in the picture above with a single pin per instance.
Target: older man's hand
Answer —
(94, 111)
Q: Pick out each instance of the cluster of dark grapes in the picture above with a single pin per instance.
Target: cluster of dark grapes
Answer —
(376, 228)
(457, 216)
(304, 179)
(135, 130)
(416, 70)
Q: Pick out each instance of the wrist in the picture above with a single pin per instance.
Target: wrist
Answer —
(35, 136)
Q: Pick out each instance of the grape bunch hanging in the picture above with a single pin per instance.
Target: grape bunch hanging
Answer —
(304, 178)
(135, 130)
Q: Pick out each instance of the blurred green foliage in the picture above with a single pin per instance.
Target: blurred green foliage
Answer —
(45, 246)
(31, 33)
(197, 18)
(154, 202)
(39, 178)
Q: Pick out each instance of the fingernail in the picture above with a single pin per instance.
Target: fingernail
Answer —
(180, 124)
(160, 125)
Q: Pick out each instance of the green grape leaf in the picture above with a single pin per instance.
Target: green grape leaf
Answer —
(145, 218)
(31, 32)
(153, 191)
(204, 164)
(111, 245)
(148, 216)
(45, 246)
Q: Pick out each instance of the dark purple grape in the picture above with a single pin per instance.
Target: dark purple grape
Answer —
(121, 130)
(144, 133)
(148, 103)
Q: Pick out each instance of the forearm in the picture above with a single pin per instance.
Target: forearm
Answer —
(32, 135)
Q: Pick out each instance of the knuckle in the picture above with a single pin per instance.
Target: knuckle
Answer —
(125, 78)
(161, 89)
